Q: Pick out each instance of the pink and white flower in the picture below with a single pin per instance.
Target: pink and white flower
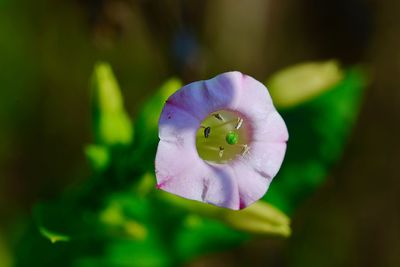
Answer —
(221, 141)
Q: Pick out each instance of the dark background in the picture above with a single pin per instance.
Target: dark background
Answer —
(47, 52)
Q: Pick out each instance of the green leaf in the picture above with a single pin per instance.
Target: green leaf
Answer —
(5, 252)
(98, 156)
(53, 236)
(318, 132)
(199, 235)
(111, 124)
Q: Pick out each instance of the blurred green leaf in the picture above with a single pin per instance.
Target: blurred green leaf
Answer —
(55, 222)
(111, 123)
(98, 157)
(318, 132)
(199, 235)
(53, 236)
(5, 253)
(146, 253)
(299, 83)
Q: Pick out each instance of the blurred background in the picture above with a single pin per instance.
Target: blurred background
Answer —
(47, 52)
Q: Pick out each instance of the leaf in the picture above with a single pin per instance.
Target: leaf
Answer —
(98, 156)
(53, 236)
(318, 132)
(111, 124)
(5, 253)
(198, 236)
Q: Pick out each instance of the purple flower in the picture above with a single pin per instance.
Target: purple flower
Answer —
(221, 141)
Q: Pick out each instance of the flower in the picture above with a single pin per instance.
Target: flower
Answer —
(221, 141)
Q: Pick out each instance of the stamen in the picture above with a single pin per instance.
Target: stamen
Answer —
(225, 123)
(218, 116)
(221, 151)
(239, 123)
(245, 149)
(207, 132)
(210, 148)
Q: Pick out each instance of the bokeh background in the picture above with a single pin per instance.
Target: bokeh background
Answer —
(47, 52)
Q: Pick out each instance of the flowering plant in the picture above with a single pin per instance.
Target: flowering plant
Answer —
(221, 141)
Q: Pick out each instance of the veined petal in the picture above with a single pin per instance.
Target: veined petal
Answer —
(252, 185)
(203, 97)
(177, 125)
(193, 98)
(182, 173)
(255, 102)
(271, 129)
(265, 158)
(222, 189)
(225, 90)
(175, 169)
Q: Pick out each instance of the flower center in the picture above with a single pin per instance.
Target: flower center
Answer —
(222, 136)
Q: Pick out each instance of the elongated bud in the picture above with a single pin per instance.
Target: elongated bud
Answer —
(302, 82)
(111, 123)
(260, 218)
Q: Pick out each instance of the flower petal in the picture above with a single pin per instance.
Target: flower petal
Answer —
(252, 185)
(203, 97)
(221, 187)
(255, 102)
(174, 164)
(177, 125)
(265, 158)
(271, 129)
(180, 171)
(225, 90)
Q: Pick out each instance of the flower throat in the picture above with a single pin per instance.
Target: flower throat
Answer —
(222, 136)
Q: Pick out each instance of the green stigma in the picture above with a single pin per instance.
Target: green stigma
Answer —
(232, 138)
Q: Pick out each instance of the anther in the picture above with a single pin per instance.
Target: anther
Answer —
(245, 149)
(239, 123)
(207, 131)
(218, 116)
(221, 151)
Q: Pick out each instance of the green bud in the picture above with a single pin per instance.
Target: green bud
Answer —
(303, 82)
(111, 123)
(259, 218)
